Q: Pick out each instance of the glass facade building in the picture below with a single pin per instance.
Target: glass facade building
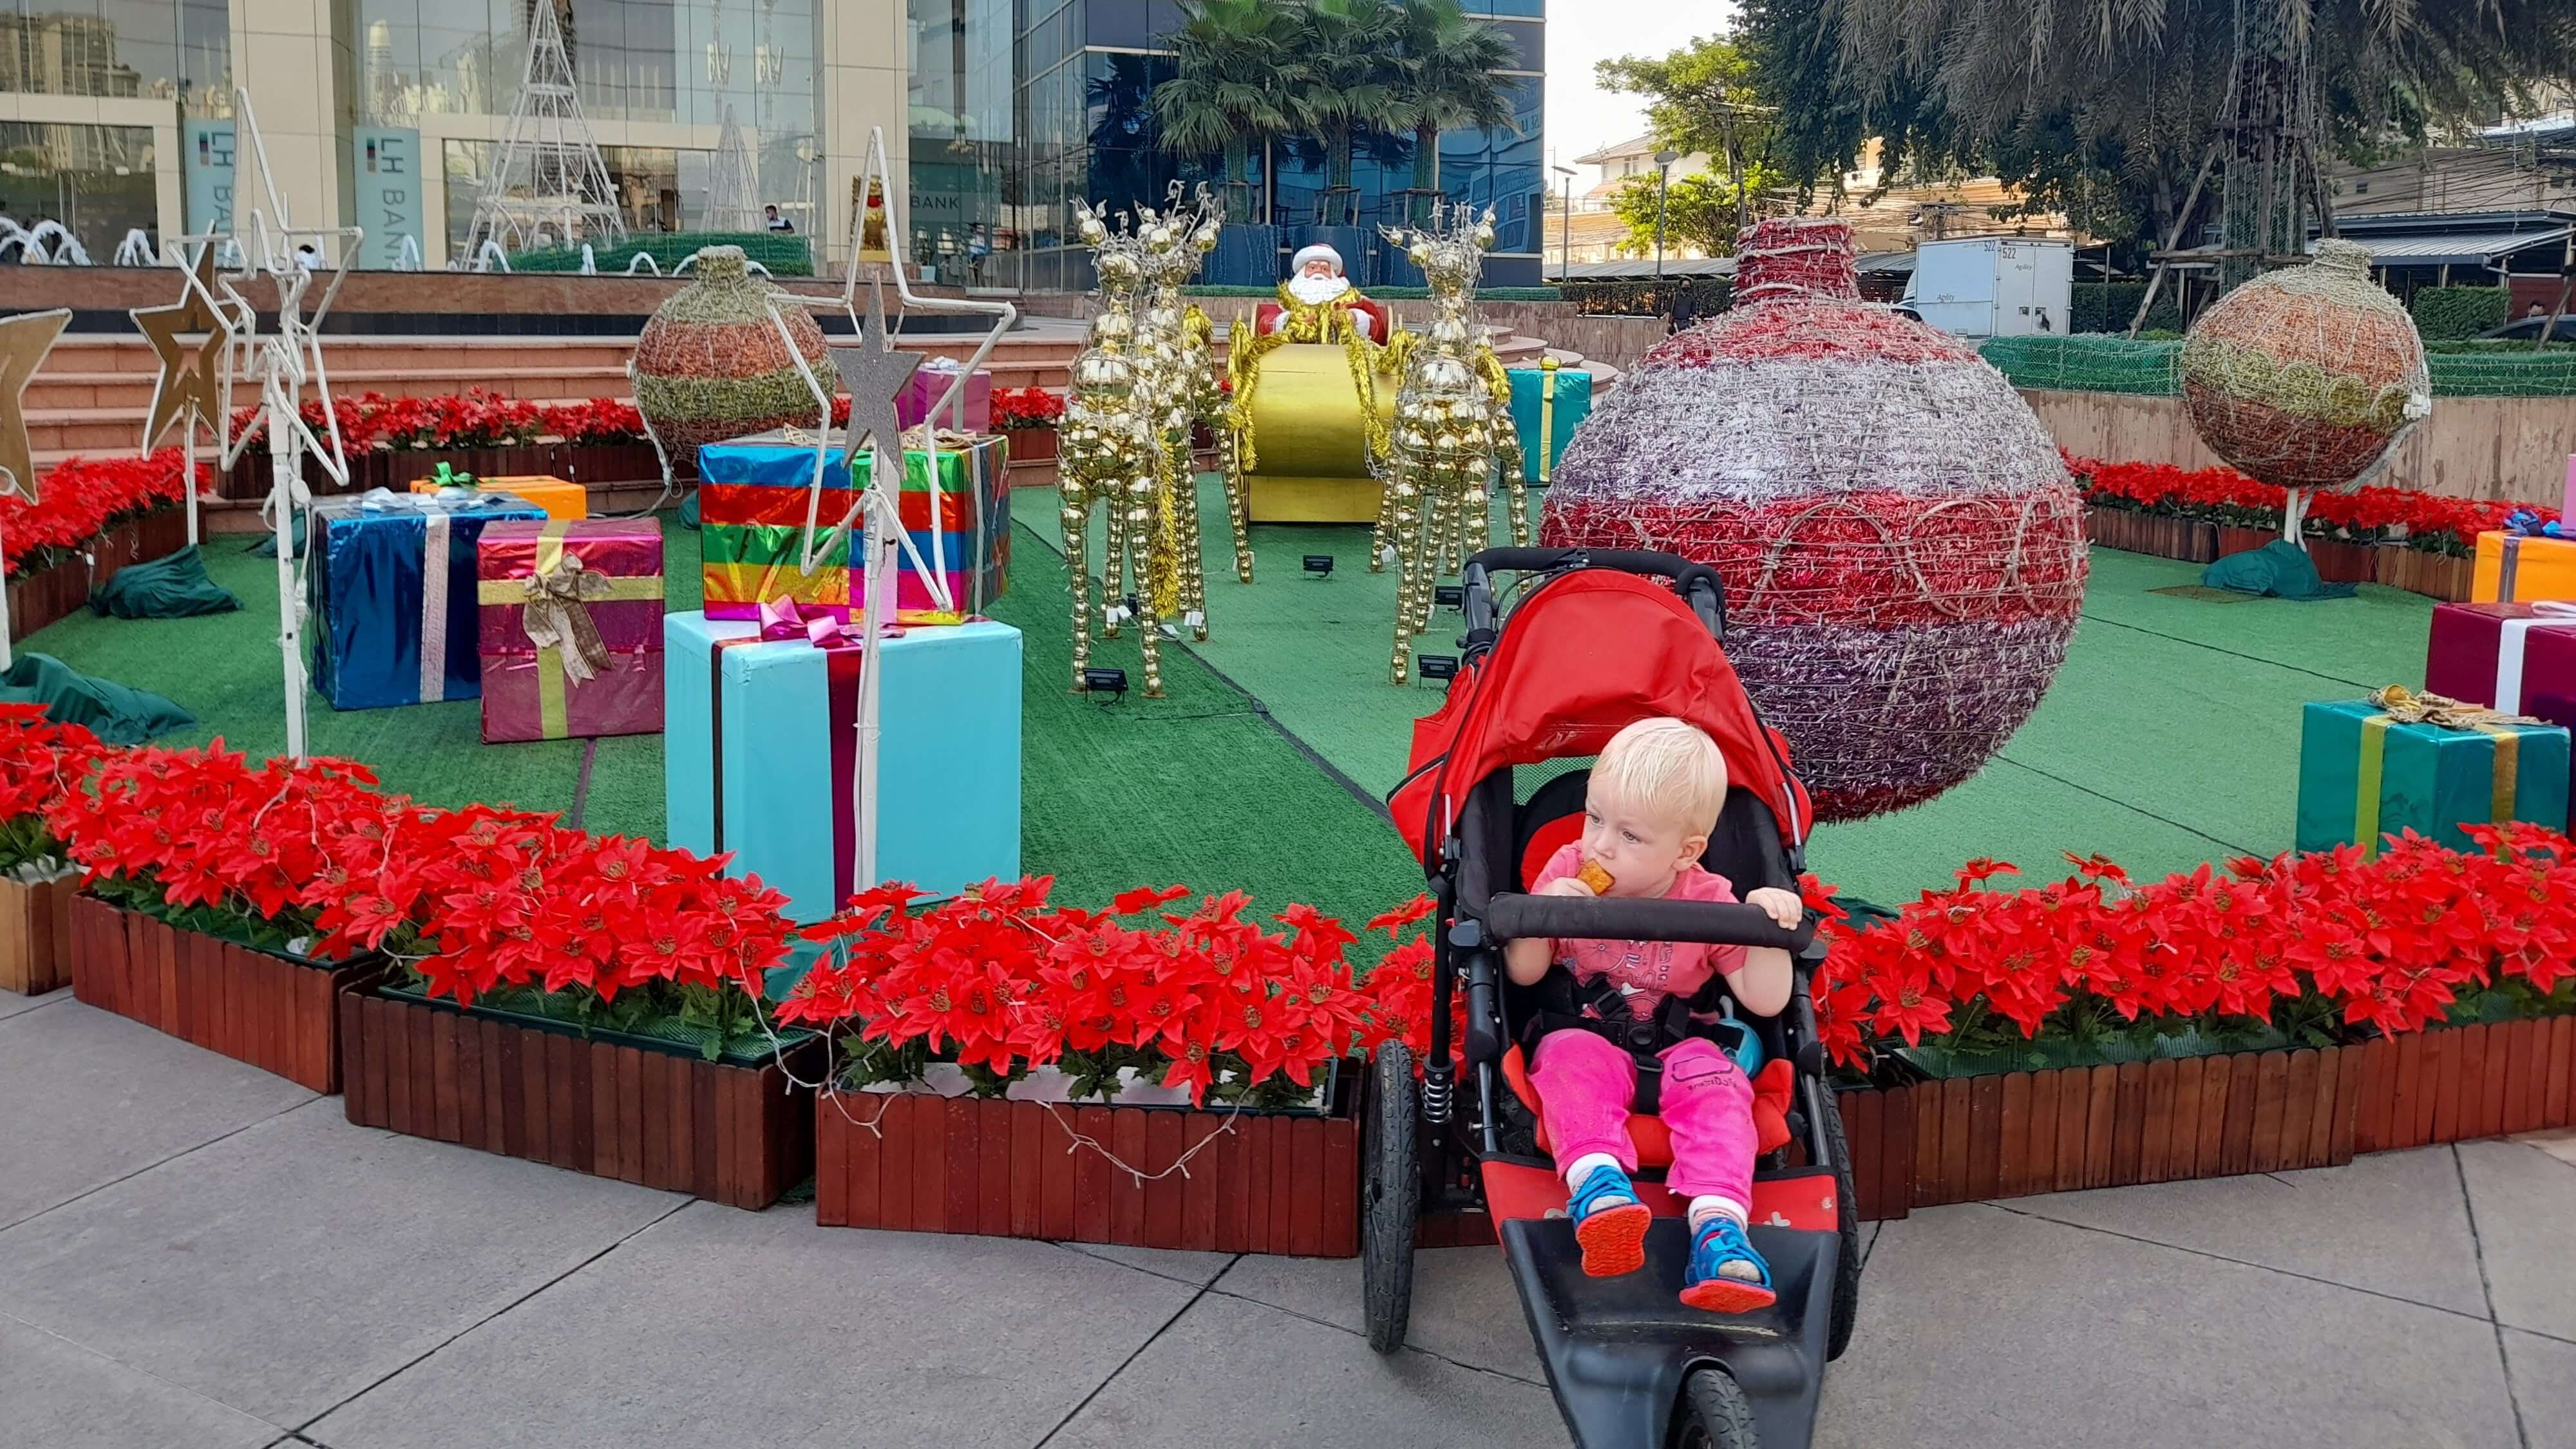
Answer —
(1087, 71)
(390, 113)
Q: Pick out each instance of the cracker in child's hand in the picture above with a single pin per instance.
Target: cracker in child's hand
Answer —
(1594, 878)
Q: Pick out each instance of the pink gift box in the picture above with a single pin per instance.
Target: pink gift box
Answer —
(912, 406)
(2567, 505)
(2518, 658)
(527, 692)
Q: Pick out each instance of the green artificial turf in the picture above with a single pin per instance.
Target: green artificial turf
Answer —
(2170, 737)
(1198, 787)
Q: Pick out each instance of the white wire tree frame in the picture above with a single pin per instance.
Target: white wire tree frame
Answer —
(285, 363)
(546, 148)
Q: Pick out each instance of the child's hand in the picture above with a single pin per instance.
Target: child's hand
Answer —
(1565, 885)
(1783, 907)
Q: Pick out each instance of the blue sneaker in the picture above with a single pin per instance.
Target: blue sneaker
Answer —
(1718, 1245)
(1610, 1223)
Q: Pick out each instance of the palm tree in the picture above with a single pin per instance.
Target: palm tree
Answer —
(1449, 83)
(1350, 85)
(1235, 63)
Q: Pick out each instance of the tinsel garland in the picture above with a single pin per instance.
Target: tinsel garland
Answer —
(1902, 548)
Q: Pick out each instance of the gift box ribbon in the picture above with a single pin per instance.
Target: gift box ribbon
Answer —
(2399, 705)
(1546, 418)
(557, 594)
(782, 622)
(2511, 643)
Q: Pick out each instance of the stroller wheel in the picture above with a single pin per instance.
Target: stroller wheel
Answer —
(1390, 1197)
(1846, 1310)
(1714, 1414)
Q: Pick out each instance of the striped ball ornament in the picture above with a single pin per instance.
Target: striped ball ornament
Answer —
(712, 366)
(2305, 377)
(1902, 548)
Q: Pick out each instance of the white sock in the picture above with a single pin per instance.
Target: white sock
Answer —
(1710, 1205)
(1581, 1168)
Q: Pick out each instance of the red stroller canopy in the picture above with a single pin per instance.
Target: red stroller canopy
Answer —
(1584, 656)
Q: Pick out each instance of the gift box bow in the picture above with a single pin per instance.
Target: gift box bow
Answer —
(557, 595)
(2524, 523)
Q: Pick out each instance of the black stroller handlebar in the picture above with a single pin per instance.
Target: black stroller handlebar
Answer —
(1515, 917)
(1540, 560)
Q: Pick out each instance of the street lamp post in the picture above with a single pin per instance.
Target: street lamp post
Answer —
(1663, 180)
(1565, 224)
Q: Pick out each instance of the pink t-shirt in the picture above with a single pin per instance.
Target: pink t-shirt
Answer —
(1648, 971)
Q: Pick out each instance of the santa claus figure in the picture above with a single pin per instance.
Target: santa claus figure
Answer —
(1318, 304)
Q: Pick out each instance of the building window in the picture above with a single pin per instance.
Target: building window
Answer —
(96, 181)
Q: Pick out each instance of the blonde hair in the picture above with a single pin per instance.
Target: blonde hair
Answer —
(1667, 765)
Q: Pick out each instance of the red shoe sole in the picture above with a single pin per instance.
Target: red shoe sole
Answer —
(1614, 1240)
(1727, 1295)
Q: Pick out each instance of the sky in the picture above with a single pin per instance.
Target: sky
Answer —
(1580, 115)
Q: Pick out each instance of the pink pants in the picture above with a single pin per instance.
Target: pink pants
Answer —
(1586, 1087)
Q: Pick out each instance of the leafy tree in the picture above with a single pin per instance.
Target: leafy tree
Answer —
(2105, 111)
(1350, 85)
(1236, 63)
(1699, 212)
(1702, 97)
(1448, 63)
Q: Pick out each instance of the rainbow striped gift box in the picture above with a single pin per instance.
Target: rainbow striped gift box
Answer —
(753, 504)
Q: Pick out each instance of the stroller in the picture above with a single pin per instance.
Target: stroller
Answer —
(1599, 639)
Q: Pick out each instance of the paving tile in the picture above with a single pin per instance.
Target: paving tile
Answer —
(292, 1264)
(1979, 1326)
(722, 1327)
(94, 1096)
(63, 1396)
(2544, 1385)
(1237, 1372)
(1192, 1268)
(2560, 1143)
(2526, 1213)
(11, 1003)
(1464, 1305)
(2340, 1224)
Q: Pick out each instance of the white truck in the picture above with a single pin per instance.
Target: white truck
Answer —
(1994, 286)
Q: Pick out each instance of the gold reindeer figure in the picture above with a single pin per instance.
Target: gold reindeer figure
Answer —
(1111, 451)
(1453, 427)
(1180, 240)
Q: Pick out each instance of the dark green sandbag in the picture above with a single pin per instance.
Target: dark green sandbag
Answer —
(2279, 569)
(113, 712)
(175, 587)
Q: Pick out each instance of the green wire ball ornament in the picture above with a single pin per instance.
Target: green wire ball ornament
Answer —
(711, 364)
(2306, 377)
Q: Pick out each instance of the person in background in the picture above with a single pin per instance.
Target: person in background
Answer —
(307, 258)
(775, 221)
(979, 245)
(1685, 309)
(2535, 311)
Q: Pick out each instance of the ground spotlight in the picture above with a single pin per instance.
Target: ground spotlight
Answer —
(1320, 565)
(1437, 666)
(1111, 682)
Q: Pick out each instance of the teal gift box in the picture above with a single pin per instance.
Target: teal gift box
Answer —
(761, 749)
(2363, 775)
(1548, 403)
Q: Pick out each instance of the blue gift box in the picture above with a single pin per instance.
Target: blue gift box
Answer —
(1548, 403)
(760, 750)
(391, 592)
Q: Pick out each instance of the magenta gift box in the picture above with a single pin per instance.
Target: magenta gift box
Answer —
(912, 406)
(609, 571)
(2518, 658)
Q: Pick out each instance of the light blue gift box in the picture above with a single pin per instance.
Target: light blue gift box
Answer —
(948, 757)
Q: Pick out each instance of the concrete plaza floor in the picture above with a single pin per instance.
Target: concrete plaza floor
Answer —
(198, 1255)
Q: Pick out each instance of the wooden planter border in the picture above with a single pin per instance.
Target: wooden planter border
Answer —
(2394, 565)
(274, 1013)
(51, 594)
(670, 1120)
(35, 935)
(2019, 1134)
(1274, 1184)
(593, 464)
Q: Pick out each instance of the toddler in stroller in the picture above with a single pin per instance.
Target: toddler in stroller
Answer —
(1653, 796)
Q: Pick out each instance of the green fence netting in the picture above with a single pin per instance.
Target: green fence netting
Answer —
(2118, 365)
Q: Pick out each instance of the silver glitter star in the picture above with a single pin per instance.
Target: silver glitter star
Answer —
(873, 373)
